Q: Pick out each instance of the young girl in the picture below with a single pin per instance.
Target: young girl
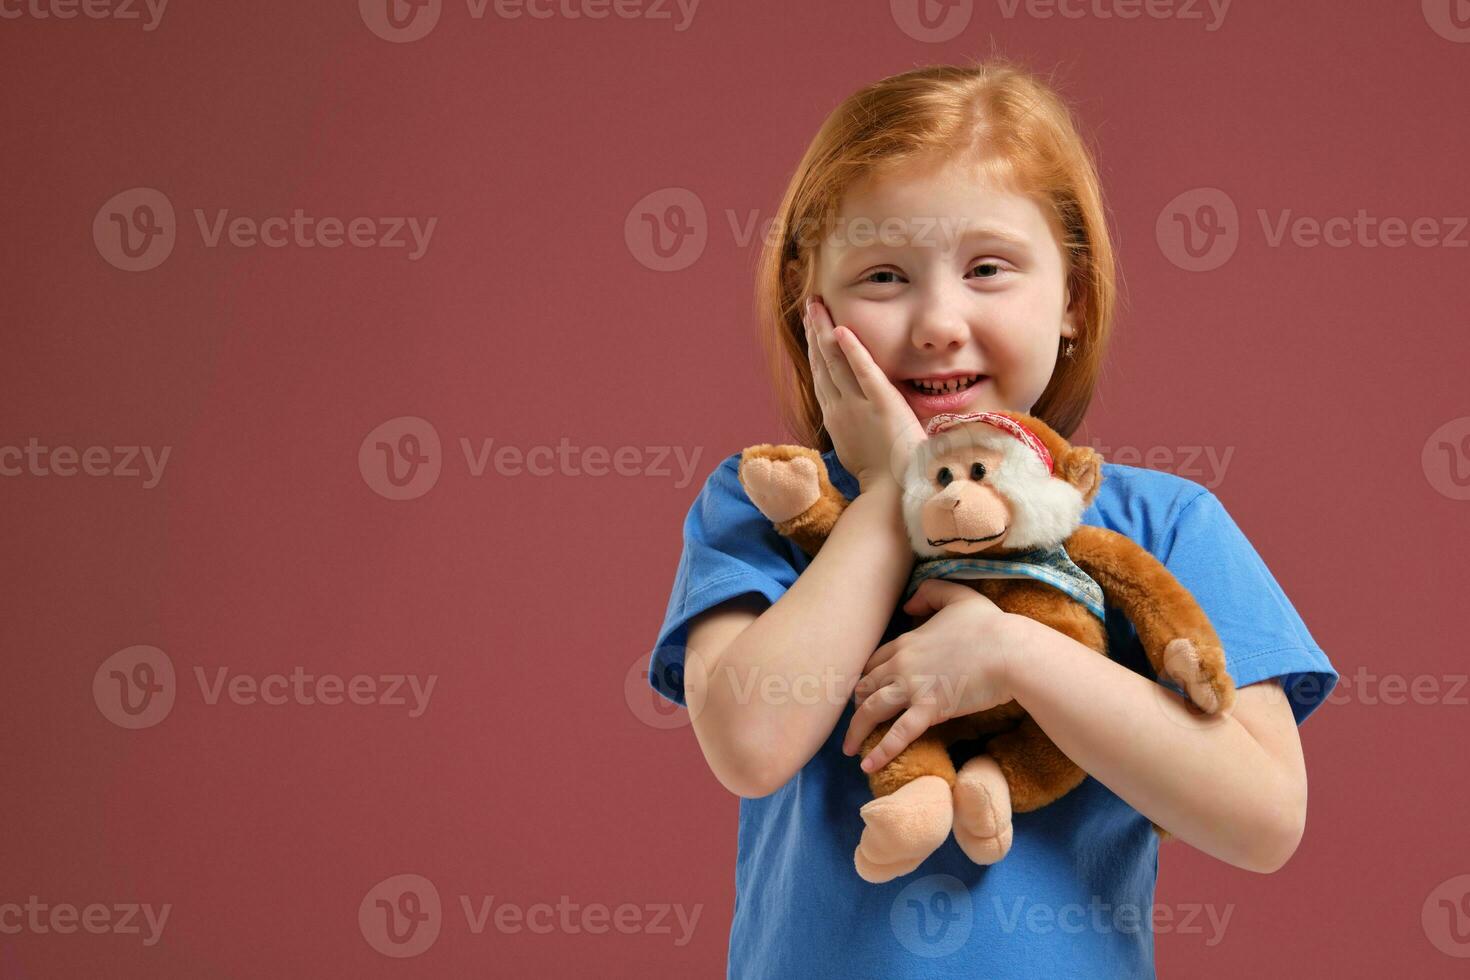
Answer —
(946, 252)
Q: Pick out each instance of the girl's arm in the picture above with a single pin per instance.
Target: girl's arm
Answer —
(1234, 787)
(765, 690)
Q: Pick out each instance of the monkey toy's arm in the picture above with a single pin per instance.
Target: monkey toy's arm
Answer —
(789, 485)
(1174, 631)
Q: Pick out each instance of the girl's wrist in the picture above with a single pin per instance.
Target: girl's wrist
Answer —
(1029, 655)
(879, 503)
(878, 481)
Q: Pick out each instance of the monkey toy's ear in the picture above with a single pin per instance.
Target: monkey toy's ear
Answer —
(1081, 466)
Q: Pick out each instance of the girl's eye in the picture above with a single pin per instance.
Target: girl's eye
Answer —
(977, 471)
(992, 270)
(944, 476)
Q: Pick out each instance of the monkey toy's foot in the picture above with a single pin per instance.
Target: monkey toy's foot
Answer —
(903, 828)
(782, 481)
(982, 811)
(1199, 669)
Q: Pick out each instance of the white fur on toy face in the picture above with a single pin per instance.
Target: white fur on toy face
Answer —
(1015, 504)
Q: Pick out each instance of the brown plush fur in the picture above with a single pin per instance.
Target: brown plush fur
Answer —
(1174, 631)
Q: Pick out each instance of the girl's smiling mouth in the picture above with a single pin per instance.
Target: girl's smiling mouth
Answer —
(949, 392)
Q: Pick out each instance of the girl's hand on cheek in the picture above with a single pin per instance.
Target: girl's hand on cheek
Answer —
(954, 664)
(872, 427)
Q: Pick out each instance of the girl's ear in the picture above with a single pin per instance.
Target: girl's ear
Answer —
(1069, 316)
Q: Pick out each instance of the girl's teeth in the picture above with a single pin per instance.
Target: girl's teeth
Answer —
(945, 387)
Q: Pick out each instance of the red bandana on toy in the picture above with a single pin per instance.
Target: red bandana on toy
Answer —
(949, 420)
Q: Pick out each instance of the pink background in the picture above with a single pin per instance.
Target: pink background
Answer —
(1328, 373)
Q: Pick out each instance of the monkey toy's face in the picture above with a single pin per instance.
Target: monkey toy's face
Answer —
(966, 514)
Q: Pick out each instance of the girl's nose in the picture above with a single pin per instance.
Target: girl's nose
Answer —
(937, 327)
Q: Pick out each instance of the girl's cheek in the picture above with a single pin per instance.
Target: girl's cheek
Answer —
(883, 346)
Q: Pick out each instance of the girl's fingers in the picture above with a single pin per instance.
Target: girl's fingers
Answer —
(913, 723)
(837, 366)
(821, 382)
(871, 382)
(933, 594)
(882, 704)
(872, 677)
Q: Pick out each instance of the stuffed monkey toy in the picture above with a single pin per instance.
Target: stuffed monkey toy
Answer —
(997, 498)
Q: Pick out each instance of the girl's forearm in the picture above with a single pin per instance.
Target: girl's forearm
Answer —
(784, 682)
(1204, 779)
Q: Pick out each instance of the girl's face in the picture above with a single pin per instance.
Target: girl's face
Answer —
(946, 277)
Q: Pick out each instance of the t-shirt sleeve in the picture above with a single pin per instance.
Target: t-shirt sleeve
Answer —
(1263, 635)
(730, 549)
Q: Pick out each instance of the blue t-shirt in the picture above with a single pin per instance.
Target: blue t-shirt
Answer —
(1074, 895)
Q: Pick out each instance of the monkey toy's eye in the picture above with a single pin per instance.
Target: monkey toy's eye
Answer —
(977, 471)
(944, 476)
